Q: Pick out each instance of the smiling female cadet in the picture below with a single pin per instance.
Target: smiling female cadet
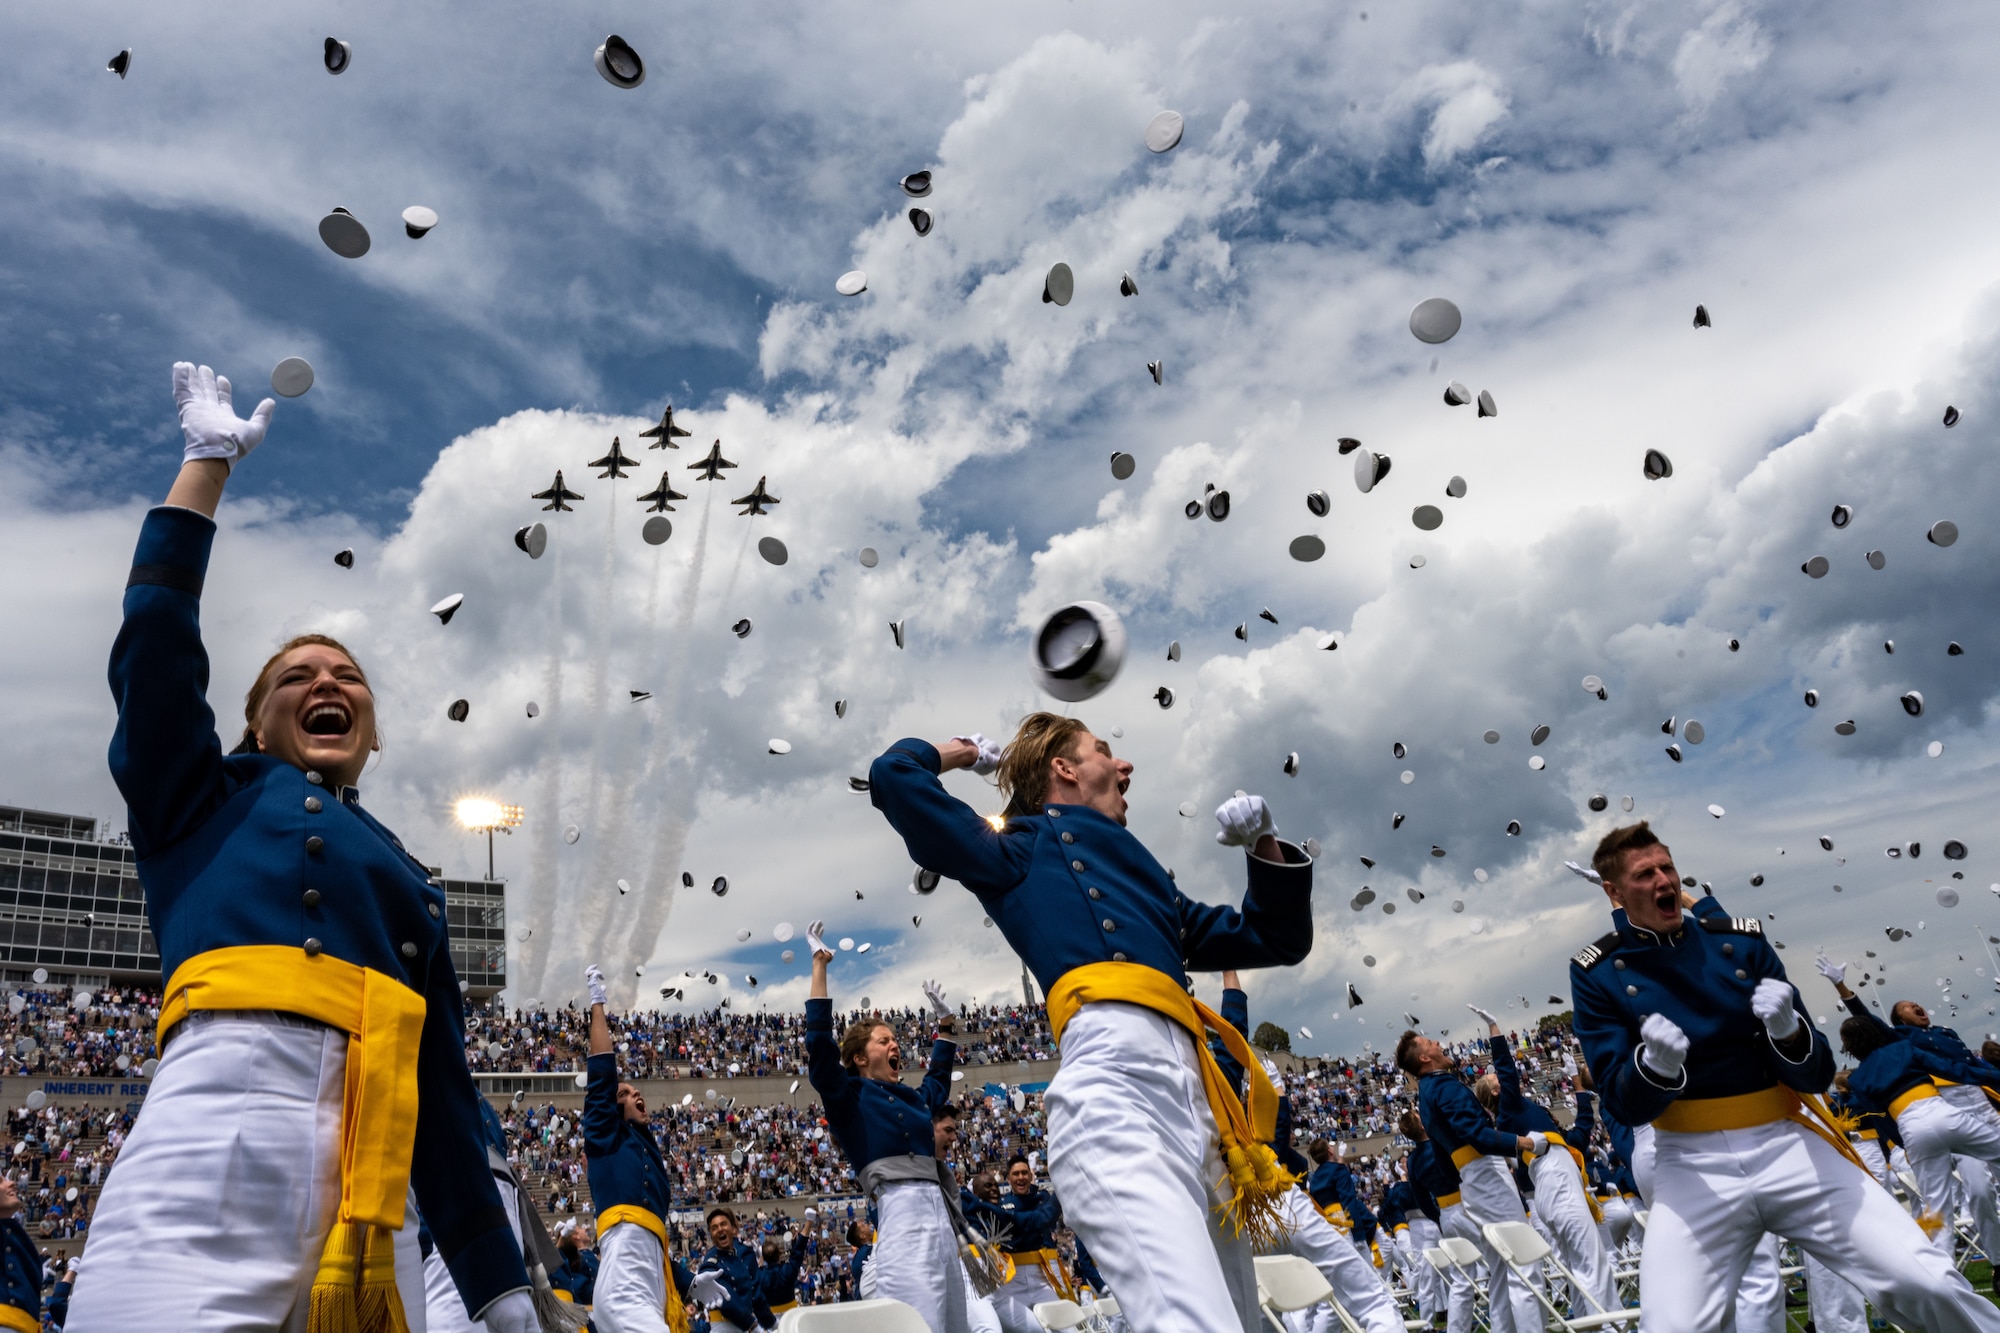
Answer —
(313, 1072)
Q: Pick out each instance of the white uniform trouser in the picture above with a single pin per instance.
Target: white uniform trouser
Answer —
(1562, 1202)
(1429, 1283)
(916, 1256)
(1760, 1296)
(1487, 1193)
(1716, 1194)
(1015, 1302)
(631, 1291)
(980, 1316)
(1355, 1283)
(444, 1308)
(1618, 1218)
(223, 1197)
(1870, 1153)
(1461, 1300)
(1933, 1130)
(1133, 1153)
(1836, 1306)
(1975, 1194)
(1643, 1146)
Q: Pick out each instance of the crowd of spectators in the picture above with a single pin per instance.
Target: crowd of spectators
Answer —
(726, 1042)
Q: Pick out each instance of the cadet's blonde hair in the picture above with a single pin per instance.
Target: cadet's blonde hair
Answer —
(1024, 765)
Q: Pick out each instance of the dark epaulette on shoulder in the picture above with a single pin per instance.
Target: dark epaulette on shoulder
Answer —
(1732, 925)
(1590, 955)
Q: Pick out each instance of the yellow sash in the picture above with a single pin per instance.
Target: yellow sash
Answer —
(1465, 1154)
(788, 1305)
(1336, 1216)
(1254, 1170)
(1050, 1262)
(676, 1313)
(1701, 1115)
(384, 1023)
(1911, 1098)
(1447, 1200)
(14, 1317)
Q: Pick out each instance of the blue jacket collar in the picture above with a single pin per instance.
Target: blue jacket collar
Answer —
(1632, 934)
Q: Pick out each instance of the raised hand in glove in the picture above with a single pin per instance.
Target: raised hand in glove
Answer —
(1832, 971)
(1491, 1021)
(512, 1313)
(935, 994)
(593, 977)
(1664, 1046)
(707, 1289)
(815, 942)
(1772, 1003)
(989, 752)
(209, 423)
(1244, 819)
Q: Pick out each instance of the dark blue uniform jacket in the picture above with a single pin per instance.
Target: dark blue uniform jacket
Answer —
(1069, 886)
(248, 850)
(1700, 976)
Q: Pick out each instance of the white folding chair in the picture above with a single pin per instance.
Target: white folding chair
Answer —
(1060, 1316)
(1455, 1254)
(1286, 1282)
(1108, 1307)
(1521, 1247)
(878, 1316)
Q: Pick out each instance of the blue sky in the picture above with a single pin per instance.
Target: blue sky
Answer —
(1575, 175)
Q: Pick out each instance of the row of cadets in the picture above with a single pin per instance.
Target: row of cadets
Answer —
(1904, 1081)
(1567, 1213)
(1436, 1178)
(1974, 1122)
(735, 1266)
(1411, 1214)
(1690, 1026)
(1434, 1173)
(311, 1021)
(1484, 1157)
(1308, 1232)
(1098, 921)
(639, 1287)
(1873, 1133)
(886, 1132)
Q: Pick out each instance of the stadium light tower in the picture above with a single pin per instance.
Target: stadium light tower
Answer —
(482, 814)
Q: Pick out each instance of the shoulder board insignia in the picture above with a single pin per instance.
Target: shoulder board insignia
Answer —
(1590, 955)
(1734, 925)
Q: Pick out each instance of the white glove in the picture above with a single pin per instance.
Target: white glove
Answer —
(1832, 971)
(1569, 1065)
(814, 940)
(935, 994)
(707, 1289)
(1277, 1079)
(1772, 1002)
(593, 977)
(1483, 1014)
(1244, 819)
(989, 752)
(512, 1313)
(1540, 1142)
(208, 418)
(1665, 1046)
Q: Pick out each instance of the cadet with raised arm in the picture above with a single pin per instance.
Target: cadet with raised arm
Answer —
(1110, 938)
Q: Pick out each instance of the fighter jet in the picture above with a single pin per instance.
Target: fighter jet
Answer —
(614, 463)
(664, 434)
(662, 498)
(755, 501)
(711, 467)
(556, 495)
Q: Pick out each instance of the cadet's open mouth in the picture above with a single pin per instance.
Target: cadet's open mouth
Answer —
(328, 719)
